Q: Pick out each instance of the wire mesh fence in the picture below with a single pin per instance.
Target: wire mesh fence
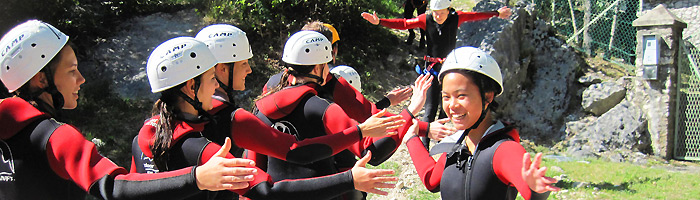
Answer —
(596, 27)
(688, 102)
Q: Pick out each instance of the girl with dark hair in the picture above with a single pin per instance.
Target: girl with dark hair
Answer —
(441, 26)
(182, 70)
(46, 159)
(487, 161)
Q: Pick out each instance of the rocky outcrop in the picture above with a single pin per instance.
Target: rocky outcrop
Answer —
(599, 98)
(121, 59)
(616, 135)
(538, 69)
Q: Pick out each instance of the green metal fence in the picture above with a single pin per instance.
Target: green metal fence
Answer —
(596, 27)
(688, 103)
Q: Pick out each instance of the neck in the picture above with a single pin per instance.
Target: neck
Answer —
(46, 97)
(186, 107)
(474, 136)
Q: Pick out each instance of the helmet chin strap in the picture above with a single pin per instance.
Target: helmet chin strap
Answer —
(459, 144)
(56, 96)
(295, 73)
(204, 116)
(228, 87)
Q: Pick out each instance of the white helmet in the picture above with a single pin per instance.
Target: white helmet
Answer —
(26, 49)
(440, 4)
(349, 74)
(473, 59)
(177, 60)
(307, 48)
(228, 43)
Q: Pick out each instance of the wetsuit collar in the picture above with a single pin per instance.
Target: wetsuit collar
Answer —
(221, 96)
(15, 114)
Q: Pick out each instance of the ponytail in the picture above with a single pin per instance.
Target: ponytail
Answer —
(165, 107)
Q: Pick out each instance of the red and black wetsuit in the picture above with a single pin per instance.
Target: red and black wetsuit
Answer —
(191, 148)
(492, 172)
(300, 112)
(46, 159)
(441, 39)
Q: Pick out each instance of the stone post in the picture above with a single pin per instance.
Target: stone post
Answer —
(655, 83)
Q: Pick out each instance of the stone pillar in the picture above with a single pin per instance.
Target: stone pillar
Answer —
(655, 82)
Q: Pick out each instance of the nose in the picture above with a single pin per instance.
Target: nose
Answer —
(81, 79)
(248, 69)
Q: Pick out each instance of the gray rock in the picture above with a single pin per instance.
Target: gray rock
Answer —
(599, 98)
(622, 130)
(590, 79)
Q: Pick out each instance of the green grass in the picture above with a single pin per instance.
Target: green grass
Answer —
(607, 180)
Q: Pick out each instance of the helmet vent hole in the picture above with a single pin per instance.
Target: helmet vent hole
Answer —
(8, 67)
(478, 56)
(326, 47)
(234, 44)
(193, 55)
(350, 82)
(43, 56)
(234, 55)
(33, 44)
(481, 66)
(163, 68)
(307, 50)
(198, 67)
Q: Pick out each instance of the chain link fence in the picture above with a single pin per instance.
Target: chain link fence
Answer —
(688, 102)
(599, 28)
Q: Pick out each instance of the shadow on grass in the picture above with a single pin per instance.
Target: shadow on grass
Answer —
(625, 186)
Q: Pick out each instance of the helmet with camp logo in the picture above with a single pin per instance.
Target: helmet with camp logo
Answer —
(228, 43)
(473, 59)
(349, 74)
(26, 49)
(176, 61)
(307, 48)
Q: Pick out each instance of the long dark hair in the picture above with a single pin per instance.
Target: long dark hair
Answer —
(166, 108)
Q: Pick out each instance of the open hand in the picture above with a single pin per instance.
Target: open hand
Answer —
(398, 95)
(371, 18)
(378, 126)
(369, 180)
(534, 175)
(504, 12)
(221, 173)
(439, 130)
(420, 88)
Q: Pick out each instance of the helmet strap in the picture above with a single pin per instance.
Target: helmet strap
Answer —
(203, 114)
(229, 87)
(459, 144)
(56, 96)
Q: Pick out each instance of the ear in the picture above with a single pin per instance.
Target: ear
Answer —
(188, 89)
(39, 81)
(489, 98)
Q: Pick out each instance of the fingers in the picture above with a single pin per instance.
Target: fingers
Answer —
(552, 188)
(376, 191)
(526, 162)
(223, 151)
(238, 162)
(363, 161)
(234, 186)
(380, 113)
(538, 160)
(382, 172)
(384, 185)
(443, 120)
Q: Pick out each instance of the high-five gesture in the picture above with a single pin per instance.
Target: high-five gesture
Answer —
(378, 126)
(534, 175)
(369, 180)
(420, 88)
(221, 173)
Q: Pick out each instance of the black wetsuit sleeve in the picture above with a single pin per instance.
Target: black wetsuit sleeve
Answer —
(384, 103)
(74, 158)
(263, 187)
